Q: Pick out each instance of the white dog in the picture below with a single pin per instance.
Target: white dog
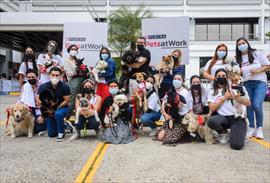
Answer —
(21, 121)
(100, 67)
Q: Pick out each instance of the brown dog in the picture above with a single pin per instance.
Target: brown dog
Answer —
(165, 65)
(21, 121)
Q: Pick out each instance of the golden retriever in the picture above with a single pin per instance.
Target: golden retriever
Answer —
(21, 121)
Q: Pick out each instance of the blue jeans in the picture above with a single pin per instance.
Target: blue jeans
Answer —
(55, 124)
(149, 118)
(256, 90)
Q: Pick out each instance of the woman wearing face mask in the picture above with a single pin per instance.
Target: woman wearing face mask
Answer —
(109, 75)
(181, 90)
(108, 101)
(87, 118)
(53, 55)
(220, 101)
(218, 61)
(199, 95)
(253, 64)
(28, 62)
(177, 68)
(74, 80)
(121, 132)
(153, 113)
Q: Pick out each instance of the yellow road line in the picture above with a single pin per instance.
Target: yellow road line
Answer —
(261, 142)
(92, 163)
(96, 165)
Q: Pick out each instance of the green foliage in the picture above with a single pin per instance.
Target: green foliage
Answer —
(267, 34)
(125, 27)
(118, 66)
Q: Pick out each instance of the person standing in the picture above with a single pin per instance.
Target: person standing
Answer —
(253, 64)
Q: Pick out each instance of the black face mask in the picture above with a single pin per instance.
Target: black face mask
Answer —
(88, 90)
(175, 59)
(30, 56)
(221, 81)
(140, 47)
(196, 87)
(32, 81)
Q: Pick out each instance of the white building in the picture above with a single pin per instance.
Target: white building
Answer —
(211, 22)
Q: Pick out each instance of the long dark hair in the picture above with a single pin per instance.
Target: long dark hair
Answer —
(25, 59)
(215, 57)
(69, 48)
(215, 85)
(239, 55)
(192, 91)
(104, 48)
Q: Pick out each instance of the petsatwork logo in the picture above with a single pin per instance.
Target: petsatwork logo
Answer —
(163, 43)
(82, 44)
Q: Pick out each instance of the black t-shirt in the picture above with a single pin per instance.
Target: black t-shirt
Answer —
(60, 91)
(145, 67)
(105, 105)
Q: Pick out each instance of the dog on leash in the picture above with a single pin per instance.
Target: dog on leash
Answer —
(81, 68)
(165, 65)
(21, 121)
(100, 67)
(201, 128)
(49, 103)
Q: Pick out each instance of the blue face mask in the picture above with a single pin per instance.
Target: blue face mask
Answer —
(104, 56)
(221, 54)
(113, 91)
(177, 83)
(243, 47)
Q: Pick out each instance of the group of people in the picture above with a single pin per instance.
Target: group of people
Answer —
(169, 102)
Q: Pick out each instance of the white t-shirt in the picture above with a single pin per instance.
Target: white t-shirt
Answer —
(40, 61)
(259, 61)
(218, 65)
(153, 102)
(23, 70)
(189, 105)
(226, 109)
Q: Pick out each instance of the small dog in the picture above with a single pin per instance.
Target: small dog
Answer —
(84, 104)
(236, 86)
(124, 80)
(49, 103)
(21, 121)
(81, 68)
(129, 57)
(201, 128)
(165, 65)
(48, 64)
(100, 67)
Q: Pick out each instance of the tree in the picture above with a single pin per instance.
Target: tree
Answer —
(125, 27)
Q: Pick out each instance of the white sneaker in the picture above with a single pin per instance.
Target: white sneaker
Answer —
(223, 138)
(153, 132)
(41, 133)
(60, 137)
(251, 132)
(259, 134)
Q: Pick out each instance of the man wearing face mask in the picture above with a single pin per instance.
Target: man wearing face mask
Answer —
(55, 124)
(143, 58)
(153, 113)
(52, 56)
(27, 97)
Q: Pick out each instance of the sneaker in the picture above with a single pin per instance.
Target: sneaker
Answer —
(223, 138)
(153, 132)
(251, 132)
(41, 133)
(60, 137)
(259, 134)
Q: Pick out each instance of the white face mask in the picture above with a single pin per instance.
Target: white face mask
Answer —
(55, 80)
(73, 53)
(148, 85)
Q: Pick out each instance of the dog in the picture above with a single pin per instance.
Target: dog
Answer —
(172, 101)
(100, 67)
(49, 103)
(124, 80)
(48, 64)
(84, 104)
(129, 57)
(197, 124)
(165, 65)
(21, 121)
(236, 87)
(81, 68)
